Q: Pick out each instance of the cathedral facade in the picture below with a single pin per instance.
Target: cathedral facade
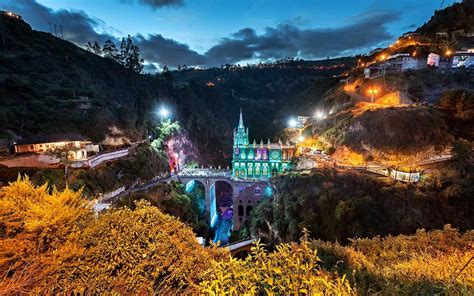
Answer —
(259, 161)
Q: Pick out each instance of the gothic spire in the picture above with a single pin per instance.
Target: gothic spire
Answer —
(241, 120)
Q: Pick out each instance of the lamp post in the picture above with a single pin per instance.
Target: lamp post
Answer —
(292, 123)
(164, 113)
(372, 92)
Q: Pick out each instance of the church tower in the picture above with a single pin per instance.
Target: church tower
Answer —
(241, 134)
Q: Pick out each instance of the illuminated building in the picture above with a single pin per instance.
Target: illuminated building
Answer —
(259, 161)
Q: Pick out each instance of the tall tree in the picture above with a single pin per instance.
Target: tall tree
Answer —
(110, 51)
(130, 55)
(94, 48)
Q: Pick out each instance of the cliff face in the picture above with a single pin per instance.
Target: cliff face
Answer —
(399, 135)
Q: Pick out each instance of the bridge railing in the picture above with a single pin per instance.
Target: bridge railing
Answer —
(205, 172)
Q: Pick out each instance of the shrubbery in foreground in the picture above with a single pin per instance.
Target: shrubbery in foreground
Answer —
(51, 243)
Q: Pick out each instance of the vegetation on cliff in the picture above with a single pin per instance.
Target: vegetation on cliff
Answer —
(337, 206)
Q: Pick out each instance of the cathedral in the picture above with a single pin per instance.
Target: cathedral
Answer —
(259, 161)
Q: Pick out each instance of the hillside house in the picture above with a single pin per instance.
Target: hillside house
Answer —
(411, 35)
(376, 51)
(433, 60)
(463, 59)
(402, 62)
(77, 145)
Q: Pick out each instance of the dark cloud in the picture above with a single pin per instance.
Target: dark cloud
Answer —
(156, 4)
(158, 49)
(287, 40)
(77, 26)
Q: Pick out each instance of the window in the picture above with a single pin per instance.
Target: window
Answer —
(250, 169)
(32, 147)
(249, 210)
(240, 210)
(257, 191)
(257, 169)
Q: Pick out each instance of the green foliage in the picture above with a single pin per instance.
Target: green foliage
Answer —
(335, 205)
(163, 131)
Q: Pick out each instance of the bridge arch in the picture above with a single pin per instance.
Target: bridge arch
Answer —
(197, 190)
(221, 209)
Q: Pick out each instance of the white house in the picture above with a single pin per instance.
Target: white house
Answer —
(433, 60)
(74, 143)
(403, 62)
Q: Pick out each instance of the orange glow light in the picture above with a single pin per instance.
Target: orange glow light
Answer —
(448, 52)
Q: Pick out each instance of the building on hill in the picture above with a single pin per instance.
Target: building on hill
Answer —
(433, 59)
(11, 14)
(259, 161)
(77, 145)
(399, 62)
(463, 59)
(376, 51)
(410, 35)
(403, 61)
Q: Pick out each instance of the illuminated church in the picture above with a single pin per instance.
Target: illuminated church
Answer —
(261, 160)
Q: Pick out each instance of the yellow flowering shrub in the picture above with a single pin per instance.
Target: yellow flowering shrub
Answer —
(34, 224)
(130, 251)
(290, 269)
(424, 263)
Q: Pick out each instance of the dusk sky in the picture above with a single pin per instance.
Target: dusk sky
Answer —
(214, 32)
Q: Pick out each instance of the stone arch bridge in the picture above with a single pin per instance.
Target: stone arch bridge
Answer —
(208, 178)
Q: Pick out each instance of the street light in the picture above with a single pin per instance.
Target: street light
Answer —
(300, 138)
(292, 123)
(372, 92)
(164, 113)
(320, 115)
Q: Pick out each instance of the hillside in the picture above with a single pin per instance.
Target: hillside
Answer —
(49, 85)
(454, 24)
(415, 114)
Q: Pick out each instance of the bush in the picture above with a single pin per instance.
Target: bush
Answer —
(426, 263)
(290, 269)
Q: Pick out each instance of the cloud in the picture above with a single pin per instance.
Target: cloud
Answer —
(157, 49)
(157, 4)
(287, 40)
(77, 26)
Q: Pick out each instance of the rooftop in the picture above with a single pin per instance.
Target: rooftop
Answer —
(39, 139)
